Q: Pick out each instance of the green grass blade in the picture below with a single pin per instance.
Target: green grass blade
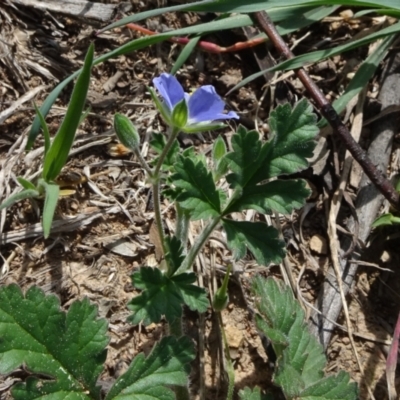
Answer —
(361, 78)
(24, 194)
(185, 54)
(248, 6)
(236, 21)
(58, 153)
(316, 56)
(45, 128)
(26, 184)
(52, 192)
(384, 11)
(45, 108)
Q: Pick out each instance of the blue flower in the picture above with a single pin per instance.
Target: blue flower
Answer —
(203, 107)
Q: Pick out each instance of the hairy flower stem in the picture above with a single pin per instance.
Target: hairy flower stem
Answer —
(143, 162)
(228, 362)
(155, 179)
(359, 154)
(198, 244)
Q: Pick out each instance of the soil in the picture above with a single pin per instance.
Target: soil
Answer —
(107, 217)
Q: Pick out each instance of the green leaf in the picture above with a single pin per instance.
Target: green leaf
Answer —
(362, 76)
(165, 113)
(58, 153)
(45, 128)
(26, 184)
(203, 127)
(180, 114)
(253, 394)
(244, 160)
(174, 255)
(336, 387)
(292, 142)
(282, 196)
(24, 194)
(196, 189)
(262, 240)
(300, 357)
(167, 364)
(385, 220)
(163, 295)
(185, 54)
(68, 347)
(52, 192)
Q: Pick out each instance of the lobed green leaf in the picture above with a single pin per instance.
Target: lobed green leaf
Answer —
(262, 240)
(167, 364)
(164, 296)
(68, 347)
(196, 189)
(282, 196)
(301, 360)
(293, 141)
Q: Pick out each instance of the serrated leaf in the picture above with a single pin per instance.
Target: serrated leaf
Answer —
(174, 255)
(146, 378)
(164, 296)
(262, 240)
(68, 347)
(336, 387)
(290, 380)
(281, 196)
(301, 360)
(244, 160)
(196, 189)
(292, 142)
(253, 394)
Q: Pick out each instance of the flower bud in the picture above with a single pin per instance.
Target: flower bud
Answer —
(221, 297)
(126, 132)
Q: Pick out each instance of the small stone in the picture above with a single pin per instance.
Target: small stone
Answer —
(385, 257)
(318, 244)
(233, 336)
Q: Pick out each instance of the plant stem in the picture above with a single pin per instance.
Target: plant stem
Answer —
(359, 154)
(198, 244)
(228, 362)
(143, 162)
(172, 137)
(155, 177)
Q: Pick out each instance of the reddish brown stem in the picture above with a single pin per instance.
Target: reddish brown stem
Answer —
(359, 154)
(206, 46)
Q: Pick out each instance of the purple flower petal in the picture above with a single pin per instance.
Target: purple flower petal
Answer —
(206, 105)
(170, 89)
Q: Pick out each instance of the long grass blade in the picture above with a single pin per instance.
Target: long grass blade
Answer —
(58, 153)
